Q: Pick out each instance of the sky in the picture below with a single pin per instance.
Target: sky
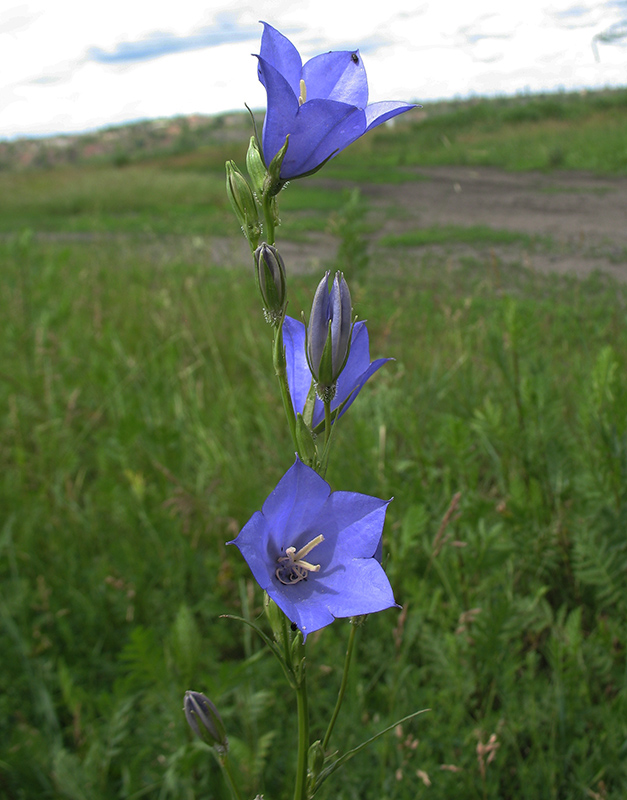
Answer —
(68, 66)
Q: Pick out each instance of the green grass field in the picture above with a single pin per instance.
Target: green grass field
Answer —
(141, 427)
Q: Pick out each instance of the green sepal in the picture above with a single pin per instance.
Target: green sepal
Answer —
(306, 445)
(273, 182)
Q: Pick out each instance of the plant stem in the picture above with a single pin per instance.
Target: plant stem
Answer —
(269, 218)
(300, 788)
(342, 689)
(230, 779)
(327, 420)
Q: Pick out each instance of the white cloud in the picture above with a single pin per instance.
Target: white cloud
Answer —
(49, 82)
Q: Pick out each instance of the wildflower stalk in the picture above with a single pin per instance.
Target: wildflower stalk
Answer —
(342, 689)
(268, 215)
(300, 787)
(227, 770)
(327, 421)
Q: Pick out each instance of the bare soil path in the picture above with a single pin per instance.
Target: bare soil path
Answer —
(583, 217)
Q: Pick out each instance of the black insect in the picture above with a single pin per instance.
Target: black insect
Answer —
(355, 58)
(294, 626)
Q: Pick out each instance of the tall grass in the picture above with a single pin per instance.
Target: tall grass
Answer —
(140, 427)
(140, 430)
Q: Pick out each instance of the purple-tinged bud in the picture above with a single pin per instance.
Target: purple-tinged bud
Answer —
(244, 205)
(204, 720)
(270, 276)
(329, 334)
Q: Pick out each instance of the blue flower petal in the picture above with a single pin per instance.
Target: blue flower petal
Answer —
(320, 129)
(344, 589)
(356, 521)
(334, 113)
(298, 372)
(277, 51)
(336, 76)
(382, 112)
(282, 109)
(299, 496)
(252, 542)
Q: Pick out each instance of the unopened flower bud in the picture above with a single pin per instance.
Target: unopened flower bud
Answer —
(329, 334)
(270, 275)
(255, 166)
(204, 720)
(241, 196)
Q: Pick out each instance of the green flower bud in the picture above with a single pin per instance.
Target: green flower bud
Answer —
(241, 196)
(270, 276)
(255, 166)
(204, 720)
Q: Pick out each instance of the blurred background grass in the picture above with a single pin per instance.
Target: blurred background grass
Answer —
(141, 428)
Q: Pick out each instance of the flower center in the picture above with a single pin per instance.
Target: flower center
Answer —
(292, 566)
(302, 98)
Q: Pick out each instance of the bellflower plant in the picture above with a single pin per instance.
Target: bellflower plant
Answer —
(303, 522)
(322, 106)
(316, 553)
(357, 370)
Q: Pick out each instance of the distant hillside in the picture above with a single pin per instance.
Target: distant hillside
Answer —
(478, 131)
(123, 144)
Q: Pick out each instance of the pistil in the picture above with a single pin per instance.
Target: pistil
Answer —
(292, 566)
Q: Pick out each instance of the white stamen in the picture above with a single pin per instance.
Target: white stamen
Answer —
(292, 566)
(303, 93)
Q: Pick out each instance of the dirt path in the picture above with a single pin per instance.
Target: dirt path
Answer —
(584, 220)
(584, 216)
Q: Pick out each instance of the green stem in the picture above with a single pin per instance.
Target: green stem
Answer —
(230, 778)
(327, 421)
(280, 370)
(300, 789)
(342, 689)
(268, 216)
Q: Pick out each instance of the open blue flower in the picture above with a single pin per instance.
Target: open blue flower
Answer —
(356, 371)
(322, 106)
(315, 551)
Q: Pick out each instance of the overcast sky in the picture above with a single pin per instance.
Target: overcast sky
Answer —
(70, 65)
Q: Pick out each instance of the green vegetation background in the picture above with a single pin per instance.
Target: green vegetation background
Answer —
(141, 427)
